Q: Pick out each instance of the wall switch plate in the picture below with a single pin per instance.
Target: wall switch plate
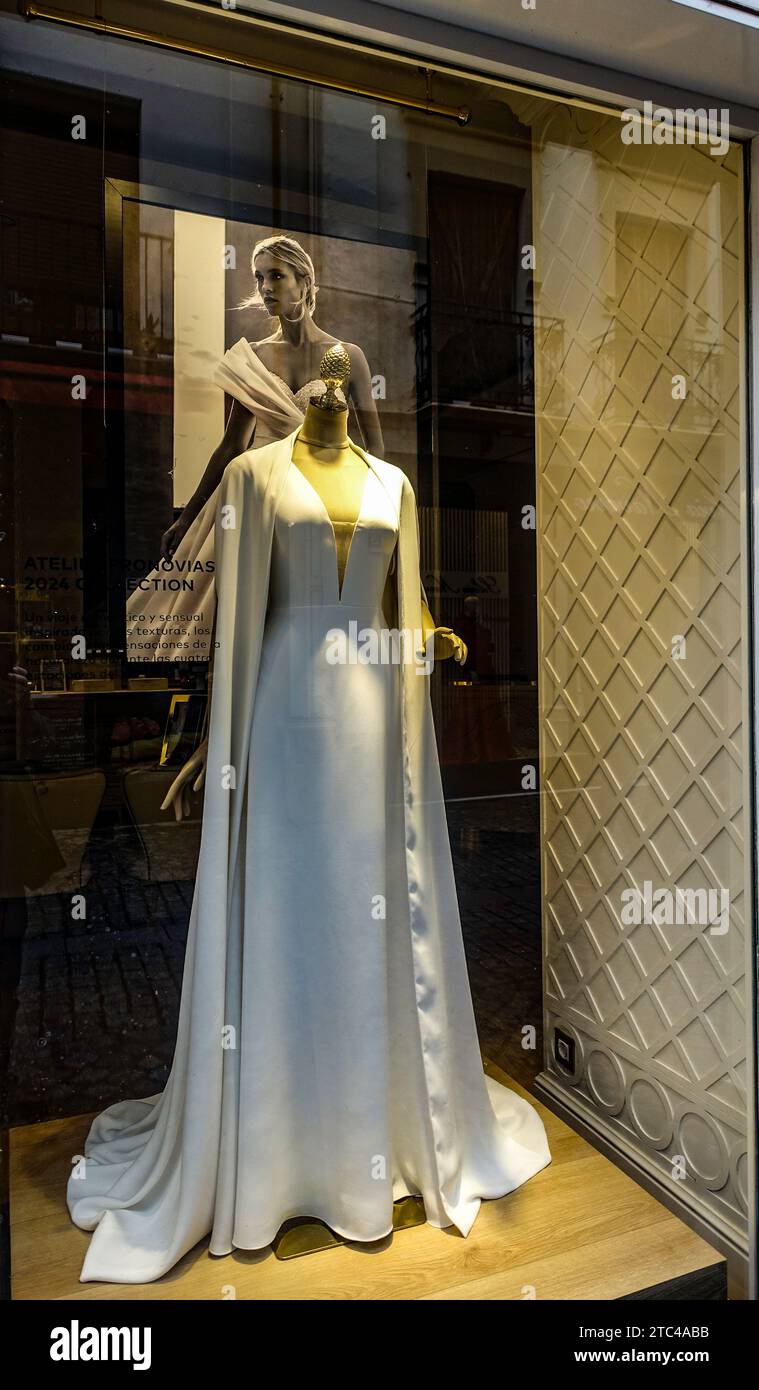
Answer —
(564, 1050)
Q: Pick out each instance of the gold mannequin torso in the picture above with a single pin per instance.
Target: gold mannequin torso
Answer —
(340, 486)
(337, 473)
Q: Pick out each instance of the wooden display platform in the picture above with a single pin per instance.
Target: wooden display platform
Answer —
(580, 1229)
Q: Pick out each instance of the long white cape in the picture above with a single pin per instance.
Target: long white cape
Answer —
(156, 1169)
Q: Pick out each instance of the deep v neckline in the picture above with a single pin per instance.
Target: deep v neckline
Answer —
(322, 504)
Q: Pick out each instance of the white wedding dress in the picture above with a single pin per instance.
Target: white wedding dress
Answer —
(327, 1110)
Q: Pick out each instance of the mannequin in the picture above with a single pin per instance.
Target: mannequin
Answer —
(327, 1063)
(324, 454)
(336, 471)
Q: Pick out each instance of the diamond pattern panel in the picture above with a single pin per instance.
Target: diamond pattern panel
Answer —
(640, 625)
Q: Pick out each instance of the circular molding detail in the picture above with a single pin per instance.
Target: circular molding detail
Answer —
(606, 1080)
(704, 1148)
(651, 1112)
(739, 1175)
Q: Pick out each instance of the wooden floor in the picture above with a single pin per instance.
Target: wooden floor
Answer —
(580, 1229)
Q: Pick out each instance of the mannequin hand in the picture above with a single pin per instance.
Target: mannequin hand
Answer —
(171, 538)
(448, 644)
(178, 794)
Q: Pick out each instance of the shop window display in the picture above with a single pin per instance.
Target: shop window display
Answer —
(341, 702)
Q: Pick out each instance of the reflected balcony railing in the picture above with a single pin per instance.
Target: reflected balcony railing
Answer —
(481, 356)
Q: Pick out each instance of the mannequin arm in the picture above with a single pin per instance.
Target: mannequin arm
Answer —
(194, 770)
(447, 644)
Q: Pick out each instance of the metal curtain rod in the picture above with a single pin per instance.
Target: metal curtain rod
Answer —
(460, 114)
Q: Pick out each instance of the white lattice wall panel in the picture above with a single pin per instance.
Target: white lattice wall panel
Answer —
(640, 543)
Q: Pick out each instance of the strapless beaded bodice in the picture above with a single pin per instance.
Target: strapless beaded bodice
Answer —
(303, 395)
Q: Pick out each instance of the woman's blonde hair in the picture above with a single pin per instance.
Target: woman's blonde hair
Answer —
(292, 254)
